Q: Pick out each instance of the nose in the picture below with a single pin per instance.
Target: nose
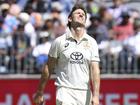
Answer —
(81, 15)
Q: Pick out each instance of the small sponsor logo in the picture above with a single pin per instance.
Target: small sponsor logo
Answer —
(66, 45)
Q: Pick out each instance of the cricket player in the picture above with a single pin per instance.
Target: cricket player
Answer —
(75, 59)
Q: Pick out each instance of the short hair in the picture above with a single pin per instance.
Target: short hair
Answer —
(77, 6)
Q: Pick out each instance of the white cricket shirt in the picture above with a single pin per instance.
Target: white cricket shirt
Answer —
(74, 57)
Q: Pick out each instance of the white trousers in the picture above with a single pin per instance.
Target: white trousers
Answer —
(68, 96)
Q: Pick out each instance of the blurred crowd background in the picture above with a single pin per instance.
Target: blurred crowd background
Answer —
(27, 28)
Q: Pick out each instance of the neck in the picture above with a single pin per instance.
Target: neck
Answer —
(78, 32)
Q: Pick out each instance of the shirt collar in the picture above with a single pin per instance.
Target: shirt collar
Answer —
(69, 36)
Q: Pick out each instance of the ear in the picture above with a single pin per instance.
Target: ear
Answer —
(69, 19)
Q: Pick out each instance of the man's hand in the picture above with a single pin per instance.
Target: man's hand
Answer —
(38, 99)
(95, 100)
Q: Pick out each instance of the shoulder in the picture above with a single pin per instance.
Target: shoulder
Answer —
(92, 42)
(90, 39)
(60, 38)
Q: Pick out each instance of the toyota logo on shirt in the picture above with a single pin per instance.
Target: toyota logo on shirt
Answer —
(76, 56)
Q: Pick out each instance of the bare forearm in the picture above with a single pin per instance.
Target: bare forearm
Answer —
(44, 78)
(96, 83)
(95, 78)
(46, 73)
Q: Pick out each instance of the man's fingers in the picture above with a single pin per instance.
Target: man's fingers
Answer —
(39, 103)
(93, 103)
(38, 100)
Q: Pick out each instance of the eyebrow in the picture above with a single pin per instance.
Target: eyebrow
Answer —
(78, 12)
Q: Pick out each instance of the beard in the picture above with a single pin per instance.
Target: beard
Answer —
(77, 24)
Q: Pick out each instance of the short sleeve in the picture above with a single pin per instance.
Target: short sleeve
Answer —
(95, 52)
(54, 50)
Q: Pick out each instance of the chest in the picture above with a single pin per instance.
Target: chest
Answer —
(75, 50)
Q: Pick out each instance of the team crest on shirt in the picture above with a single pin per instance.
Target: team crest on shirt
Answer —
(86, 45)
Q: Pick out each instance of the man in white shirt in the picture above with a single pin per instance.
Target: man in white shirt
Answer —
(75, 59)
